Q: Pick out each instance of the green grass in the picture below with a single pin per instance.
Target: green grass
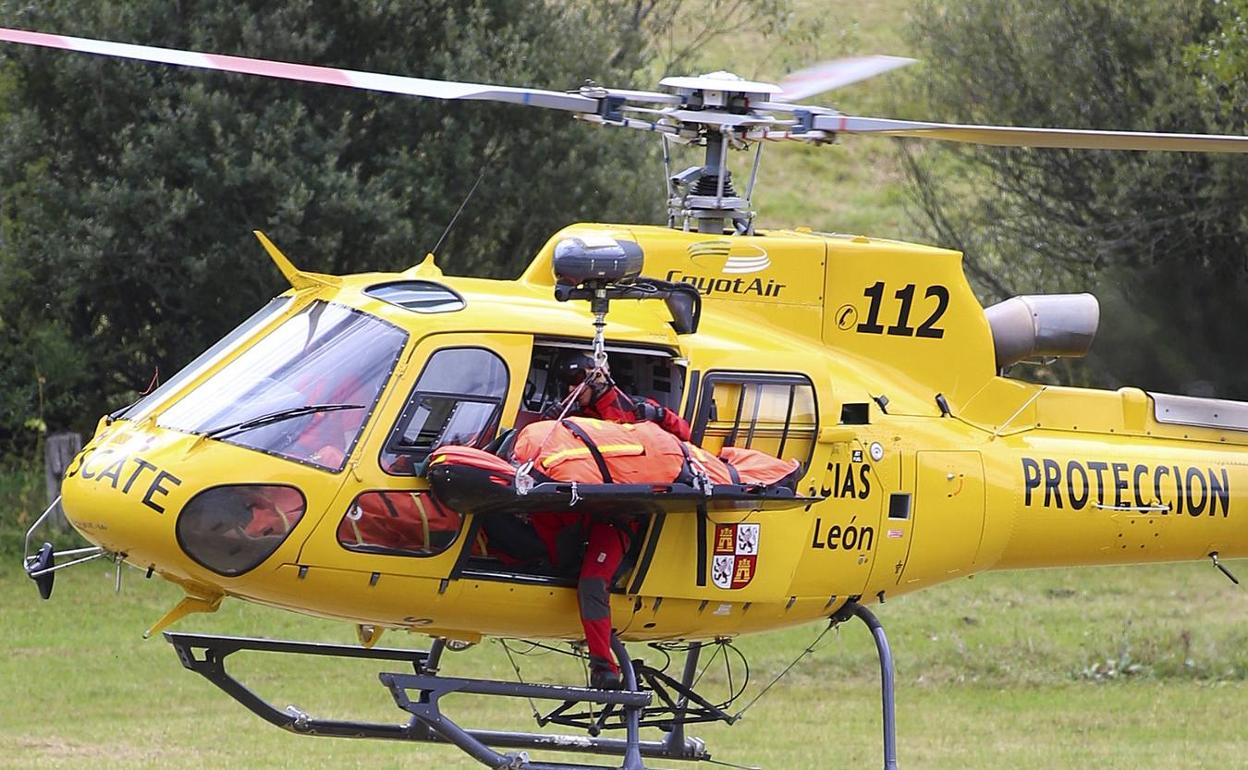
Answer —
(1109, 667)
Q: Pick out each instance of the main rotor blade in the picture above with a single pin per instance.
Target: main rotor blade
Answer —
(1012, 136)
(368, 81)
(828, 75)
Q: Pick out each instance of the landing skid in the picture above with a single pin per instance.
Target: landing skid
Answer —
(661, 701)
(206, 655)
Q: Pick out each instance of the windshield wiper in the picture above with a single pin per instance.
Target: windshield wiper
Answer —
(278, 416)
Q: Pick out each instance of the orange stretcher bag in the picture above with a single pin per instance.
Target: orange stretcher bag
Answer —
(708, 464)
(750, 466)
(591, 451)
(409, 521)
(495, 469)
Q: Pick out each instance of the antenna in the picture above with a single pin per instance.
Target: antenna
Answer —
(489, 156)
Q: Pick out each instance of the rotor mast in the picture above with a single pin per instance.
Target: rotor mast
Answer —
(711, 198)
(718, 107)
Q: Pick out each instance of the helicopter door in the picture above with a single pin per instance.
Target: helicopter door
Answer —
(948, 517)
(452, 389)
(744, 555)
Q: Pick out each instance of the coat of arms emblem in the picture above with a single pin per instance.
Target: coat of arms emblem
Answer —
(735, 557)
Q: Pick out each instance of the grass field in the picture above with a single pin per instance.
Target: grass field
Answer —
(1111, 667)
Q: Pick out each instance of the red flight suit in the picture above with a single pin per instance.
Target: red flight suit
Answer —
(609, 541)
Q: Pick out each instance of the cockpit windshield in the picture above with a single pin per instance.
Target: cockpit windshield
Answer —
(302, 392)
(153, 401)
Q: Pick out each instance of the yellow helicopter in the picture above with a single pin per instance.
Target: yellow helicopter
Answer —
(295, 463)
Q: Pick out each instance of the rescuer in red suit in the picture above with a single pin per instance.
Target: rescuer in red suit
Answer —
(607, 541)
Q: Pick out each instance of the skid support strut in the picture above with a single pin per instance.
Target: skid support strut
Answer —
(427, 714)
(888, 702)
(632, 715)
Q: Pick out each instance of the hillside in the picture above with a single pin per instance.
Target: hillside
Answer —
(856, 186)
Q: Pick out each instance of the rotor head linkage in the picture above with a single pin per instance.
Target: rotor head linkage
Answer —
(703, 197)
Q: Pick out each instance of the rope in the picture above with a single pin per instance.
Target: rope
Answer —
(731, 764)
(722, 648)
(808, 651)
(537, 715)
(719, 649)
(565, 406)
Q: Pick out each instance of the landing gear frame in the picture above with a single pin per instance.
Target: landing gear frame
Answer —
(629, 709)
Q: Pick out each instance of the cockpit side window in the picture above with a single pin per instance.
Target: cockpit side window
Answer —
(458, 399)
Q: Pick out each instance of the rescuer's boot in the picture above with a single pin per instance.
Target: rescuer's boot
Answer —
(603, 674)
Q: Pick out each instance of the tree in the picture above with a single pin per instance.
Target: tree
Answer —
(676, 32)
(128, 191)
(1162, 237)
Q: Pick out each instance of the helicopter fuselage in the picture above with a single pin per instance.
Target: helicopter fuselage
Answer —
(870, 361)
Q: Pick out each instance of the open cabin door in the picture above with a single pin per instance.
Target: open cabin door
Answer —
(502, 539)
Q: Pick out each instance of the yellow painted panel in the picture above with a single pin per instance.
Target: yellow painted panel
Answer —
(843, 536)
(910, 312)
(673, 572)
(948, 517)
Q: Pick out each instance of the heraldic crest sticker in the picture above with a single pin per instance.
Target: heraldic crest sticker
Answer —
(735, 558)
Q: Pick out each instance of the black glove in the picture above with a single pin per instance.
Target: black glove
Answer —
(648, 412)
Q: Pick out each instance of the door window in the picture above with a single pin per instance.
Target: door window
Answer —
(458, 399)
(399, 523)
(773, 413)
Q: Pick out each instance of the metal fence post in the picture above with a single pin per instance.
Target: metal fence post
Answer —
(58, 451)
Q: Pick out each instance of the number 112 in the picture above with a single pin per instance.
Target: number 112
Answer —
(905, 295)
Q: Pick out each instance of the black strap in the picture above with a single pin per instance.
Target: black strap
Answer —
(691, 472)
(580, 433)
(394, 513)
(700, 569)
(732, 471)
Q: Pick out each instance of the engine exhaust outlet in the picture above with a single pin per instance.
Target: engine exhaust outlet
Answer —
(1043, 326)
